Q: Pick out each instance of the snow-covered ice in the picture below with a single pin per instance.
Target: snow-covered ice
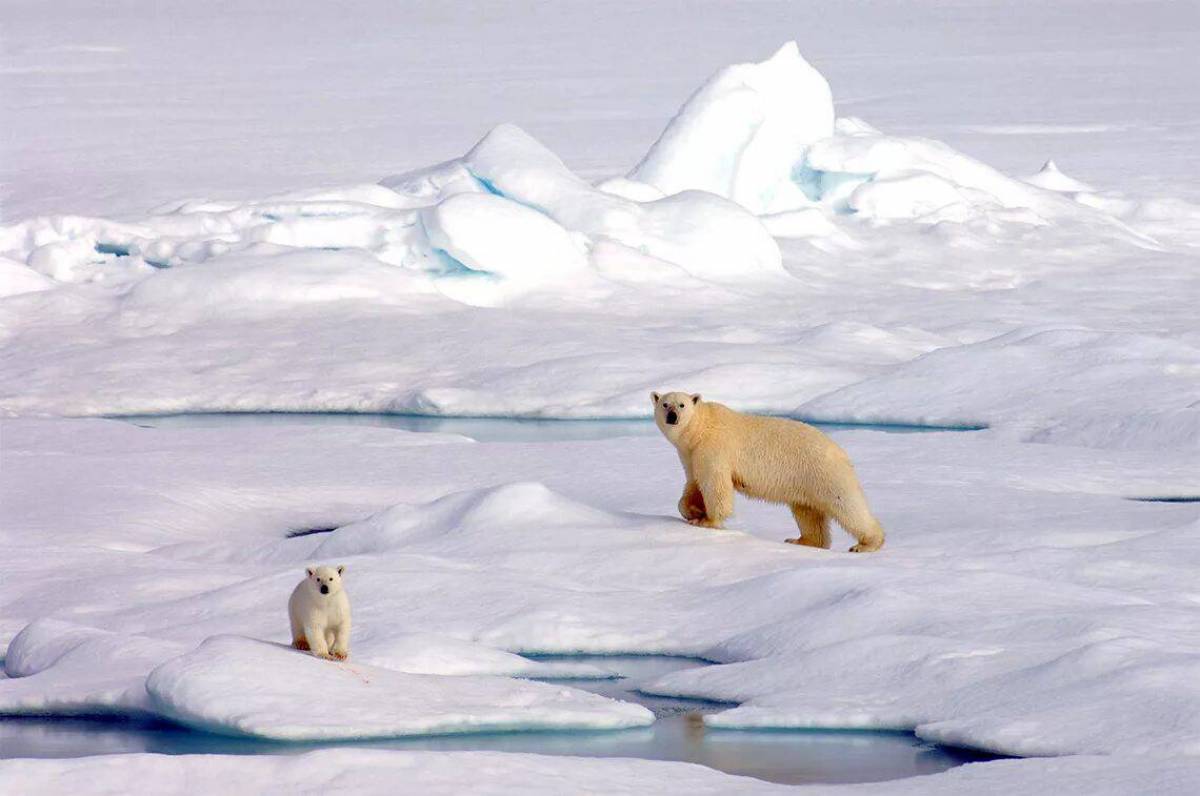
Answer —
(1021, 600)
(357, 770)
(853, 229)
(243, 686)
(912, 264)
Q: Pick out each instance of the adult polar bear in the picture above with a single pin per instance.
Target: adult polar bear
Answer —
(782, 461)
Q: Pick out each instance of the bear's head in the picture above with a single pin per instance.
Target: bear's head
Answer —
(326, 580)
(673, 412)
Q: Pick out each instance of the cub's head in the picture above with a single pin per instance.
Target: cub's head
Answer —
(326, 580)
(673, 412)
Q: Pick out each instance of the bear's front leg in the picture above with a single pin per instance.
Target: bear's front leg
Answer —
(691, 505)
(716, 489)
(341, 642)
(315, 635)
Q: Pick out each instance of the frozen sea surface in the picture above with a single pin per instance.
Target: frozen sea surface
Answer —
(462, 553)
(966, 214)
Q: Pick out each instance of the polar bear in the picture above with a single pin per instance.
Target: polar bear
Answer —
(770, 458)
(319, 610)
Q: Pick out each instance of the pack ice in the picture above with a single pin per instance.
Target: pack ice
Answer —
(764, 251)
(778, 255)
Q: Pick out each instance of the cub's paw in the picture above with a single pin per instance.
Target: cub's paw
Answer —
(705, 522)
(300, 643)
(339, 655)
(867, 547)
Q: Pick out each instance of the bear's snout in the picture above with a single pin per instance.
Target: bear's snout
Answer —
(324, 589)
(672, 418)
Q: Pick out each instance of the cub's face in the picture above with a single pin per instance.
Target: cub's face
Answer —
(326, 580)
(673, 411)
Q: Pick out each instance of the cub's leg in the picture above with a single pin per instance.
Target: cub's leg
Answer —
(814, 527)
(853, 515)
(298, 639)
(316, 640)
(716, 488)
(340, 648)
(691, 505)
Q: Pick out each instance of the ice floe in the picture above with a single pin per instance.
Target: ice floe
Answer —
(248, 687)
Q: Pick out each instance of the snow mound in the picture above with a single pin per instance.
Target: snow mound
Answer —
(740, 134)
(61, 669)
(241, 686)
(706, 235)
(17, 278)
(1002, 379)
(495, 235)
(520, 513)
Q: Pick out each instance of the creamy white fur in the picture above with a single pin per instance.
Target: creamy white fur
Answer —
(770, 458)
(321, 622)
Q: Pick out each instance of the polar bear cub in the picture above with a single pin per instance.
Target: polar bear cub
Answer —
(319, 610)
(770, 458)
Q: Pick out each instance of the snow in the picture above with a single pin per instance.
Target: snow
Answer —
(362, 770)
(916, 269)
(843, 235)
(375, 771)
(496, 235)
(241, 686)
(741, 132)
(961, 629)
(66, 669)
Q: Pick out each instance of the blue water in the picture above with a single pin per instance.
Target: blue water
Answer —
(483, 429)
(793, 757)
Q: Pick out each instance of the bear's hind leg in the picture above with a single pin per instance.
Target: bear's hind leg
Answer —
(814, 527)
(861, 524)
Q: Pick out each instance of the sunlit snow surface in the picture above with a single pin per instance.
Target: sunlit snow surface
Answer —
(771, 250)
(762, 251)
(1022, 605)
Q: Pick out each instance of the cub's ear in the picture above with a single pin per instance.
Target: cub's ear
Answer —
(341, 568)
(654, 397)
(695, 398)
(311, 571)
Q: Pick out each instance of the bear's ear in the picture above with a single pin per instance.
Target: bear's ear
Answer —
(311, 571)
(695, 398)
(654, 397)
(341, 568)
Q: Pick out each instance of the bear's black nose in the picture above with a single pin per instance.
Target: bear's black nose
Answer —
(324, 590)
(672, 418)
